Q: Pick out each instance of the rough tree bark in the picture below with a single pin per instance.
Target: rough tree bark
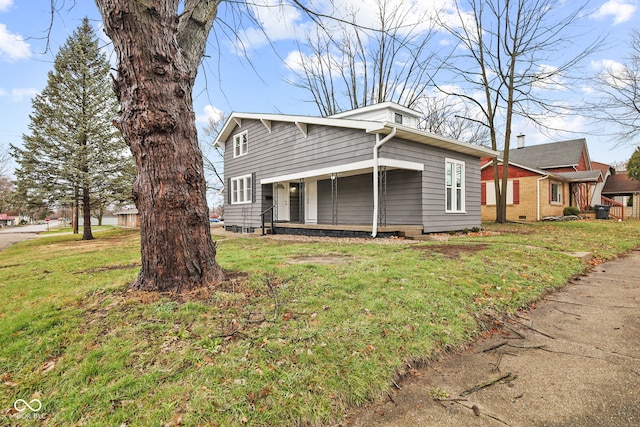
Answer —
(159, 51)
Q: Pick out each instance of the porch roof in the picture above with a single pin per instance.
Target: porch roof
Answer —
(582, 176)
(347, 169)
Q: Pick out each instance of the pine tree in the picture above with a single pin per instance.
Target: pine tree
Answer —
(73, 153)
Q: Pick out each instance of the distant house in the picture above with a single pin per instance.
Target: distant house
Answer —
(543, 180)
(606, 171)
(369, 170)
(622, 188)
(7, 220)
(129, 218)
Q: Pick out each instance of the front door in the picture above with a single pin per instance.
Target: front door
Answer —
(311, 194)
(282, 205)
(296, 204)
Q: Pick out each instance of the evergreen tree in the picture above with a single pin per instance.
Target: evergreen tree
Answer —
(633, 165)
(73, 154)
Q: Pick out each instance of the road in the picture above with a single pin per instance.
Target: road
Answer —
(11, 235)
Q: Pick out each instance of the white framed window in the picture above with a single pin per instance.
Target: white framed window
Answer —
(454, 183)
(241, 144)
(241, 188)
(556, 192)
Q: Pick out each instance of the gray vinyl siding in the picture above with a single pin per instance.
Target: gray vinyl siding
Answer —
(434, 217)
(403, 204)
(285, 150)
(355, 200)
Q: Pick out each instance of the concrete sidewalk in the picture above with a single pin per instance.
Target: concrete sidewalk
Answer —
(574, 360)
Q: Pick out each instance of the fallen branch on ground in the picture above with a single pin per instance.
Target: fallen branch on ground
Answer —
(505, 378)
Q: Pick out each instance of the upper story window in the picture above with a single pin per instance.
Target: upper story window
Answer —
(398, 118)
(240, 144)
(454, 178)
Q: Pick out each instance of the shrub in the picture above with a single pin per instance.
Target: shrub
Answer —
(571, 210)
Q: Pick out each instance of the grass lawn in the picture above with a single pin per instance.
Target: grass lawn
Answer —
(302, 330)
(60, 230)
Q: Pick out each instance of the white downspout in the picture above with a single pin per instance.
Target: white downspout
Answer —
(538, 196)
(379, 143)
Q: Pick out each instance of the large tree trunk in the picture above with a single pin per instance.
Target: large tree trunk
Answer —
(86, 214)
(156, 75)
(76, 212)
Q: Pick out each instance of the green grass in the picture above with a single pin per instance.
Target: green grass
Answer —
(301, 332)
(60, 229)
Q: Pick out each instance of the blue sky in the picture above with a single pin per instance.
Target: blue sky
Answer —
(229, 81)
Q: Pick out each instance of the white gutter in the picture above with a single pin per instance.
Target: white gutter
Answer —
(538, 196)
(379, 143)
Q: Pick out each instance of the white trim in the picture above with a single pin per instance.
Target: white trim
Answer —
(387, 105)
(368, 126)
(560, 184)
(267, 124)
(363, 166)
(376, 168)
(401, 164)
(303, 128)
(459, 209)
(238, 142)
(246, 179)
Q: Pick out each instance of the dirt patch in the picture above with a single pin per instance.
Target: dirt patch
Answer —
(324, 259)
(451, 251)
(110, 268)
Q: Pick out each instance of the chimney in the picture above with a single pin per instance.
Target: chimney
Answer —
(520, 139)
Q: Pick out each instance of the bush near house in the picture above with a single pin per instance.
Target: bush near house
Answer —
(571, 210)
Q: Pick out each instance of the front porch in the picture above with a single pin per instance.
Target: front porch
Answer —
(341, 230)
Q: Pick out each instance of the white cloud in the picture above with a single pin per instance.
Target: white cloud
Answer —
(608, 65)
(12, 46)
(210, 112)
(284, 22)
(17, 95)
(5, 5)
(277, 23)
(612, 72)
(549, 79)
(621, 10)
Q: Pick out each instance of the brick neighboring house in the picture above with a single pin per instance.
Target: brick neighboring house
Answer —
(543, 180)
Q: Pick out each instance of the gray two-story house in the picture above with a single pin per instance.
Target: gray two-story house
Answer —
(369, 170)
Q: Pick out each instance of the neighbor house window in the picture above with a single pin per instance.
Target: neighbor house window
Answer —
(241, 189)
(454, 177)
(398, 118)
(240, 144)
(556, 192)
(489, 193)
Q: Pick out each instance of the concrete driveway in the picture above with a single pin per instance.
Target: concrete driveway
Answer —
(11, 235)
